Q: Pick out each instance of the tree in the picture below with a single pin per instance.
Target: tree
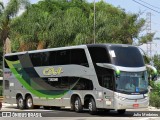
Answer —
(156, 60)
(146, 38)
(54, 23)
(39, 25)
(6, 15)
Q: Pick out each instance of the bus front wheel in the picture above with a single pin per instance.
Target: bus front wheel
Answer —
(78, 105)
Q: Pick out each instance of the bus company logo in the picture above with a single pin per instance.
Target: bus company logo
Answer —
(52, 71)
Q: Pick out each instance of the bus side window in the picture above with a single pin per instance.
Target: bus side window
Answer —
(107, 82)
(78, 57)
(6, 84)
(40, 59)
(63, 57)
(99, 55)
(83, 84)
(5, 64)
(10, 58)
(36, 59)
(52, 58)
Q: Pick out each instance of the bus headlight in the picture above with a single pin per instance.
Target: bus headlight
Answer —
(121, 98)
(145, 95)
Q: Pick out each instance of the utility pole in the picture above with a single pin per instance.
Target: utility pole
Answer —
(148, 30)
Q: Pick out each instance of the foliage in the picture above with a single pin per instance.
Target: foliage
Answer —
(155, 95)
(54, 23)
(6, 14)
(156, 60)
(154, 100)
(147, 38)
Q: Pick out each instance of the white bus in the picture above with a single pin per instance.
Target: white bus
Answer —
(99, 76)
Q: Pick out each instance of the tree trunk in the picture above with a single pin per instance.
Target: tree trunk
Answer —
(41, 45)
(7, 46)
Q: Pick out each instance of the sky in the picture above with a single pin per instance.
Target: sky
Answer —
(143, 6)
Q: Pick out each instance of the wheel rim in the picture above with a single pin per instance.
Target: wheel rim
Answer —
(29, 103)
(76, 104)
(90, 106)
(20, 102)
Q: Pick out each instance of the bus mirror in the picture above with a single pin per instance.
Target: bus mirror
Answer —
(110, 66)
(153, 73)
(118, 73)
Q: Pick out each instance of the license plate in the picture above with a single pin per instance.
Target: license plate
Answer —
(135, 105)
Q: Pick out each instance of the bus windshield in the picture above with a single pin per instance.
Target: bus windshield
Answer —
(132, 83)
(126, 56)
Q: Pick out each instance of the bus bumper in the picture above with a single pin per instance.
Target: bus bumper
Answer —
(123, 103)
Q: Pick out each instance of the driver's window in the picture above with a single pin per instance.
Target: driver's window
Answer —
(108, 82)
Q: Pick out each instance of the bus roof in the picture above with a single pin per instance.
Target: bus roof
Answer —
(48, 49)
(67, 47)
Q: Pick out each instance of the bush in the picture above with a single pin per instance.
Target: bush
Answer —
(155, 95)
(154, 100)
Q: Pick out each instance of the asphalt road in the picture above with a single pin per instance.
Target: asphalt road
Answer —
(66, 114)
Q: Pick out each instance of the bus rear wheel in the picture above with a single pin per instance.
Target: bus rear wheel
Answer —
(20, 103)
(92, 106)
(29, 102)
(78, 105)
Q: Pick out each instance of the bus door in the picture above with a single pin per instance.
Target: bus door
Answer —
(108, 93)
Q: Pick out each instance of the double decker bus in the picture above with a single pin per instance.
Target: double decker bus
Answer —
(95, 76)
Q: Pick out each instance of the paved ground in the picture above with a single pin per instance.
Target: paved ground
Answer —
(66, 114)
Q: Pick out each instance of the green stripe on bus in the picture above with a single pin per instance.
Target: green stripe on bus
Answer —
(26, 85)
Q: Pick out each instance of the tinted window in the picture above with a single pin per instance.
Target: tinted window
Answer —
(83, 84)
(40, 59)
(107, 81)
(6, 84)
(126, 56)
(66, 83)
(99, 55)
(52, 58)
(78, 57)
(105, 77)
(58, 83)
(63, 57)
(10, 58)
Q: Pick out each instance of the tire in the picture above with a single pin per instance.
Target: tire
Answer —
(29, 102)
(92, 106)
(78, 105)
(121, 112)
(20, 103)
